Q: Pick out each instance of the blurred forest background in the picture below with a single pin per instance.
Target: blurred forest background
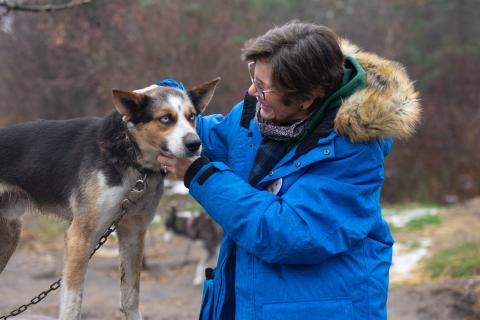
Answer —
(63, 64)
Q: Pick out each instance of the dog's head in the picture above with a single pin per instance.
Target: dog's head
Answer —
(162, 120)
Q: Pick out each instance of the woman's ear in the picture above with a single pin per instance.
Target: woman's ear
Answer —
(307, 103)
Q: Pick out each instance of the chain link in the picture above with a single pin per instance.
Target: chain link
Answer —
(54, 286)
(135, 193)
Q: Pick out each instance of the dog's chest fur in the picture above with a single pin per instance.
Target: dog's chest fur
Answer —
(107, 199)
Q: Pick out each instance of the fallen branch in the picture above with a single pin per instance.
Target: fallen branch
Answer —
(12, 6)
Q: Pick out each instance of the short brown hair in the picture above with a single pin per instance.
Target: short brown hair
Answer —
(306, 59)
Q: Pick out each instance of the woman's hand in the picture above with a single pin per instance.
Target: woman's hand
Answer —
(176, 166)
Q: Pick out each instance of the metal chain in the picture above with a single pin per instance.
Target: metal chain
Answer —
(135, 193)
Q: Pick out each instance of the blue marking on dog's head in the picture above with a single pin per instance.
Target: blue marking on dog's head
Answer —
(171, 83)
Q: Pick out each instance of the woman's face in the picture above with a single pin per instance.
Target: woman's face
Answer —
(272, 107)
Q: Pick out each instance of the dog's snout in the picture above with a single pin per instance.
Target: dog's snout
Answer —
(192, 142)
(193, 145)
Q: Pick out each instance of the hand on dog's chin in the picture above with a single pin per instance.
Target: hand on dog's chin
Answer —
(183, 154)
(165, 153)
(176, 166)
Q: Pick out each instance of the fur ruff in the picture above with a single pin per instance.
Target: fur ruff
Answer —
(389, 105)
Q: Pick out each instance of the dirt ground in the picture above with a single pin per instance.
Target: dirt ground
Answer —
(449, 300)
(167, 291)
(166, 287)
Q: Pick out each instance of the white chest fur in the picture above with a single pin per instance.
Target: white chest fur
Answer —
(110, 197)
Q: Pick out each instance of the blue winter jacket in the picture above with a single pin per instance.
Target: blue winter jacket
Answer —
(308, 241)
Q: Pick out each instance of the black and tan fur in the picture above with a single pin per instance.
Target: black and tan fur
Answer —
(81, 169)
(196, 226)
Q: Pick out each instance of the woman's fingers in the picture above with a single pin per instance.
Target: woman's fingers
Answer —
(176, 166)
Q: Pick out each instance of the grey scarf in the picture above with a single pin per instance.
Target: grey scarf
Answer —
(280, 132)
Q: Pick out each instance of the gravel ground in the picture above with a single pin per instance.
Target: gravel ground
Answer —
(166, 288)
(167, 291)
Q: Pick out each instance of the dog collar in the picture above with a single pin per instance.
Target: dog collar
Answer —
(132, 150)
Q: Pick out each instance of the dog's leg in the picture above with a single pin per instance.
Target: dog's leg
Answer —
(131, 237)
(200, 270)
(78, 247)
(9, 236)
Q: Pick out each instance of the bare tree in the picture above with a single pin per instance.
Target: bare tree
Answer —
(64, 65)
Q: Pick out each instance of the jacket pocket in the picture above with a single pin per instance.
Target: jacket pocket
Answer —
(334, 309)
(206, 310)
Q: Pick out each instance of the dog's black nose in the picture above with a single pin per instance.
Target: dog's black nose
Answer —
(193, 145)
(192, 142)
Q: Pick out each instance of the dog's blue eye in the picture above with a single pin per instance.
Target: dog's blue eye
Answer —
(166, 119)
(192, 117)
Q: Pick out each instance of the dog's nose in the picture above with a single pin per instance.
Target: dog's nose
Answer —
(192, 142)
(193, 145)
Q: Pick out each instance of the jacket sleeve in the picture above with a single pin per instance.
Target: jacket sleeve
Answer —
(214, 131)
(328, 209)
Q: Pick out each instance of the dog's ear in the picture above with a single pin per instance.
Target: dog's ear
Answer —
(127, 102)
(202, 94)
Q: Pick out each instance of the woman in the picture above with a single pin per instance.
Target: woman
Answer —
(293, 175)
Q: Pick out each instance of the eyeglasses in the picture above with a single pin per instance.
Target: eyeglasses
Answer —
(261, 92)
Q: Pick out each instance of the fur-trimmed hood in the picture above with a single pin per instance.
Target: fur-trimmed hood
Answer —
(387, 107)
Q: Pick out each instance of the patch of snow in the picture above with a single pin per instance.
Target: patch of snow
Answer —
(405, 258)
(188, 214)
(173, 187)
(6, 23)
(157, 218)
(401, 218)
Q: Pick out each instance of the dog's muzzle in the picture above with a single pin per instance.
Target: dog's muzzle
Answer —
(192, 143)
